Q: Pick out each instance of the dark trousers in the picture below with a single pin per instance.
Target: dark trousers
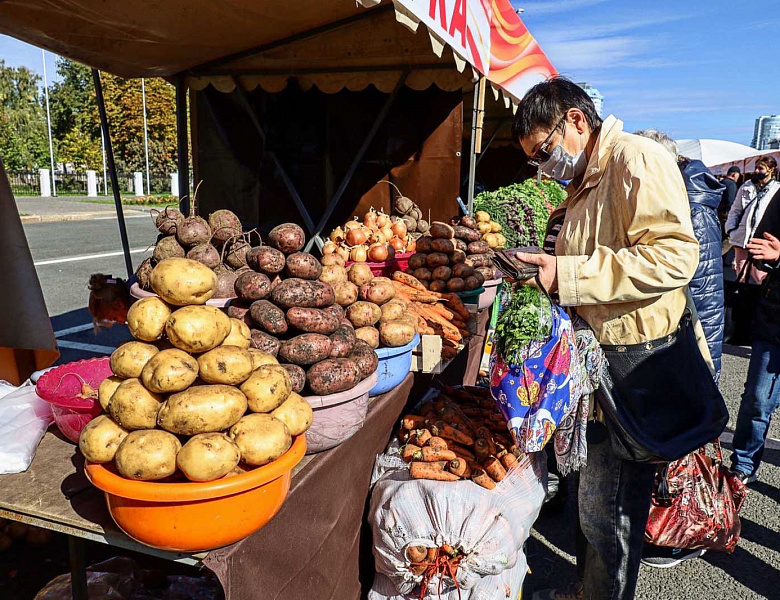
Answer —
(613, 498)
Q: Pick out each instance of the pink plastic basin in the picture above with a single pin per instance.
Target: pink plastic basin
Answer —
(337, 417)
(138, 293)
(61, 386)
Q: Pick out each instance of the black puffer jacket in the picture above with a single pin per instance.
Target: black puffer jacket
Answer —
(704, 195)
(767, 318)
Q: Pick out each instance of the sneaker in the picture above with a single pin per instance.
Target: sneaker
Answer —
(666, 558)
(574, 591)
(746, 478)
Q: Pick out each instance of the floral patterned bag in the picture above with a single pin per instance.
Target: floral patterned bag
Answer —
(534, 390)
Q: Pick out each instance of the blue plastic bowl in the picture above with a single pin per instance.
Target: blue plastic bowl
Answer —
(394, 365)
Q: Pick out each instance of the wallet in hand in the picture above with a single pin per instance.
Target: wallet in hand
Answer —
(514, 268)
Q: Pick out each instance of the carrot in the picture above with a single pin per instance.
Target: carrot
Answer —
(464, 332)
(418, 569)
(449, 550)
(432, 553)
(456, 304)
(407, 279)
(413, 422)
(428, 454)
(481, 448)
(421, 470)
(480, 477)
(437, 442)
(450, 433)
(448, 353)
(420, 437)
(416, 554)
(461, 451)
(494, 468)
(450, 331)
(475, 390)
(508, 460)
(403, 435)
(460, 467)
(438, 308)
(460, 324)
(407, 454)
(412, 294)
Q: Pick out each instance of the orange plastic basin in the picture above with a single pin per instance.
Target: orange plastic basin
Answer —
(193, 516)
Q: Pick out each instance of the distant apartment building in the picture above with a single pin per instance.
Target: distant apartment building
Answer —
(595, 95)
(767, 130)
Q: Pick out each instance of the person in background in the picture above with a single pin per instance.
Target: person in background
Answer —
(730, 189)
(762, 392)
(705, 194)
(748, 208)
(624, 254)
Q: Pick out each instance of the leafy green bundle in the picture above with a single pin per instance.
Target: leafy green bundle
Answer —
(526, 317)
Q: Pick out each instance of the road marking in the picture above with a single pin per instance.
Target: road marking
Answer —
(94, 348)
(56, 261)
(74, 329)
(126, 217)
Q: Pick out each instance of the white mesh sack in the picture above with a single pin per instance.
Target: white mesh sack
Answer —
(488, 526)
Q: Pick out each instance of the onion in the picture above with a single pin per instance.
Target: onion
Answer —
(377, 252)
(337, 235)
(411, 245)
(352, 225)
(382, 220)
(370, 219)
(356, 237)
(343, 252)
(377, 238)
(358, 254)
(329, 248)
(397, 244)
(399, 228)
(387, 231)
(390, 252)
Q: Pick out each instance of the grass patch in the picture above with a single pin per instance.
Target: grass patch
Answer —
(24, 214)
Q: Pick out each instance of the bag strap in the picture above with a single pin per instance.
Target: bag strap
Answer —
(745, 270)
(718, 450)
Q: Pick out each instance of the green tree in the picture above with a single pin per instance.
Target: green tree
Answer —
(24, 142)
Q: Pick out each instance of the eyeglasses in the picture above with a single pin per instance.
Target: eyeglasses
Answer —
(542, 155)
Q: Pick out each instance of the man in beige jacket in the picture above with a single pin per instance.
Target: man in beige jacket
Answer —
(624, 252)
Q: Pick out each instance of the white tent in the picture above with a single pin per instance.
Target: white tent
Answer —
(714, 152)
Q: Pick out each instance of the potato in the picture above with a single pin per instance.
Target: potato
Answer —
(370, 335)
(363, 314)
(442, 245)
(146, 319)
(482, 216)
(442, 273)
(491, 239)
(458, 257)
(480, 260)
(228, 365)
(202, 409)
(265, 342)
(181, 281)
(495, 227)
(392, 310)
(240, 335)
(341, 341)
(133, 406)
(462, 270)
(332, 376)
(237, 309)
(396, 333)
(261, 438)
(303, 265)
(197, 328)
(267, 387)
(360, 274)
(471, 283)
(297, 375)
(333, 274)
(423, 274)
(208, 456)
(169, 371)
(438, 259)
(417, 261)
(130, 358)
(305, 349)
(456, 284)
(100, 439)
(461, 245)
(377, 291)
(438, 286)
(147, 455)
(251, 286)
(287, 238)
(442, 230)
(296, 413)
(364, 358)
(268, 317)
(331, 260)
(424, 244)
(261, 357)
(265, 259)
(303, 293)
(346, 293)
(466, 233)
(484, 228)
(106, 390)
(485, 273)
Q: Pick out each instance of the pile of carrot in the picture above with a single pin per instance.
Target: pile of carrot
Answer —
(459, 435)
(437, 313)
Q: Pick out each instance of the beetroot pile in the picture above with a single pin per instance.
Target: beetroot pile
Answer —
(219, 243)
(294, 316)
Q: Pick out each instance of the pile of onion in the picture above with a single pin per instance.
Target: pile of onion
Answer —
(375, 238)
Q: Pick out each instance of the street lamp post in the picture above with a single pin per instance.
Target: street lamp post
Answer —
(48, 123)
(146, 140)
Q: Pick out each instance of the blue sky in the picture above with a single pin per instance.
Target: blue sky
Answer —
(703, 68)
(697, 69)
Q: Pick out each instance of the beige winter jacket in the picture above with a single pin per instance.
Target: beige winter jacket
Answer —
(626, 250)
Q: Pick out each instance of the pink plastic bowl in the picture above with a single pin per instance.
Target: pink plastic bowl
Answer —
(60, 387)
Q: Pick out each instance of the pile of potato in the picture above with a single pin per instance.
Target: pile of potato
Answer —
(294, 309)
(190, 395)
(219, 243)
(446, 262)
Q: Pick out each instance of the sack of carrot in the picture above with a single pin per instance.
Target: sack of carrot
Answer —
(464, 536)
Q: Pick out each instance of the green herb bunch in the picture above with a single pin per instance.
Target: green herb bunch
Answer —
(526, 316)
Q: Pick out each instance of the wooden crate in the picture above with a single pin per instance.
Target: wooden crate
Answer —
(426, 357)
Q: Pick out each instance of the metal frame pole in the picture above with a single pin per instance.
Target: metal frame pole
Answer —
(146, 139)
(182, 149)
(78, 568)
(472, 151)
(120, 213)
(48, 123)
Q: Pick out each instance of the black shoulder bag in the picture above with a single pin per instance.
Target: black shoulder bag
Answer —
(659, 398)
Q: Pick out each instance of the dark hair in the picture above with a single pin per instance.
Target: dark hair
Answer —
(768, 161)
(545, 103)
(733, 169)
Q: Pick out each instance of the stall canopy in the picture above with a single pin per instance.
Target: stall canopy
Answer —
(714, 152)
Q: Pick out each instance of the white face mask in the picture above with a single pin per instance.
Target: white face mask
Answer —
(562, 165)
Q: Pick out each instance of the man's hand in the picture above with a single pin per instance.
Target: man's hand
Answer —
(767, 249)
(548, 270)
